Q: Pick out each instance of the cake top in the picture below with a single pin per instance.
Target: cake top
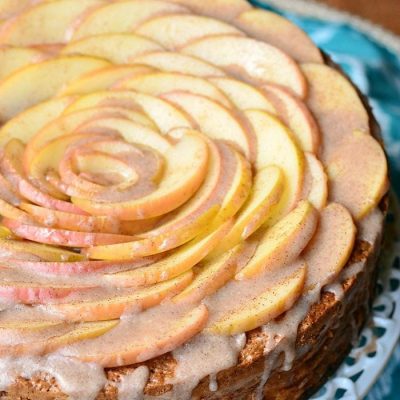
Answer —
(172, 172)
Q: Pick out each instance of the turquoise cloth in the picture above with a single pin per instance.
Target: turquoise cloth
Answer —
(376, 71)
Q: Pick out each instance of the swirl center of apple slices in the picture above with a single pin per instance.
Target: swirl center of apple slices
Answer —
(163, 173)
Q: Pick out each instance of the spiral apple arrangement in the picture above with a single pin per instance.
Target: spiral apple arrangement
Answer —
(153, 156)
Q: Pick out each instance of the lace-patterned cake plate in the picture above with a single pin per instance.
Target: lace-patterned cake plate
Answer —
(366, 361)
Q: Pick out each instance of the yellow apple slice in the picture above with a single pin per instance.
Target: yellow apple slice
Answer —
(211, 275)
(315, 187)
(220, 9)
(242, 95)
(175, 31)
(296, 116)
(178, 262)
(164, 114)
(28, 123)
(214, 119)
(282, 151)
(270, 27)
(251, 60)
(7, 210)
(358, 174)
(47, 253)
(14, 58)
(114, 307)
(29, 326)
(176, 62)
(331, 246)
(336, 105)
(266, 192)
(9, 8)
(282, 243)
(45, 23)
(159, 83)
(38, 82)
(146, 347)
(5, 233)
(84, 331)
(122, 16)
(118, 48)
(276, 299)
(103, 79)
(185, 169)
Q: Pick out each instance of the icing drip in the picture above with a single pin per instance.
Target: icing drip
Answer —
(80, 381)
(131, 386)
(202, 356)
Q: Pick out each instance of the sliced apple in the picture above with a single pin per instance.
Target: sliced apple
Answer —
(84, 331)
(9, 8)
(185, 169)
(175, 31)
(211, 275)
(5, 233)
(7, 192)
(36, 293)
(221, 9)
(267, 189)
(9, 211)
(242, 95)
(315, 187)
(270, 27)
(176, 62)
(114, 307)
(171, 265)
(276, 146)
(146, 347)
(28, 123)
(214, 119)
(45, 23)
(251, 60)
(29, 326)
(358, 173)
(256, 311)
(164, 114)
(294, 113)
(122, 16)
(335, 104)
(282, 243)
(103, 79)
(331, 246)
(159, 83)
(38, 82)
(117, 48)
(14, 58)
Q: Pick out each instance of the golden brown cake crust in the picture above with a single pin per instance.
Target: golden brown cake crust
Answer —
(324, 338)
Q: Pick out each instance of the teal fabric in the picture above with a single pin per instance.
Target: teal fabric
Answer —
(376, 71)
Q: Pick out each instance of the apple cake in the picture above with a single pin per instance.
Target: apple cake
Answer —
(192, 199)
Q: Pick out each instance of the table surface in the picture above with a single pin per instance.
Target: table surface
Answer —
(383, 12)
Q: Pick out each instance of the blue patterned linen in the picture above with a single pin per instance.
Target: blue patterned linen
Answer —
(376, 71)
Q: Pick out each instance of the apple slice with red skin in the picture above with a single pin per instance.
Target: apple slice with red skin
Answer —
(331, 247)
(114, 307)
(251, 60)
(283, 243)
(7, 192)
(61, 237)
(177, 62)
(185, 170)
(178, 262)
(179, 332)
(358, 174)
(175, 31)
(296, 116)
(158, 83)
(278, 31)
(336, 106)
(103, 79)
(122, 16)
(39, 82)
(10, 166)
(118, 48)
(45, 23)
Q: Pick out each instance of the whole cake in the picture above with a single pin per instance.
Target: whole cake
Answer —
(192, 199)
